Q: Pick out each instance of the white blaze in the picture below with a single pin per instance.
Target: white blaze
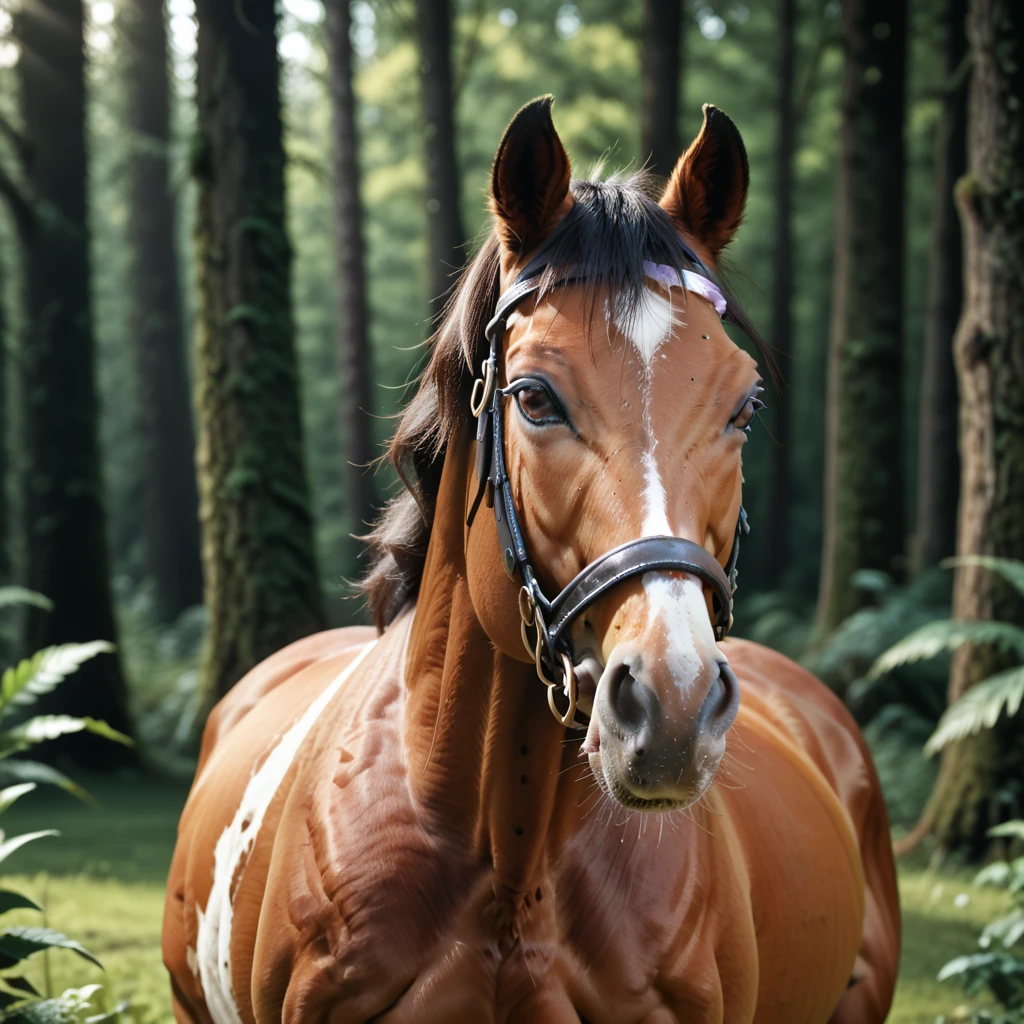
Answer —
(213, 941)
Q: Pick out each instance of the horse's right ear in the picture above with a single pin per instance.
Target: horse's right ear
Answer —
(530, 178)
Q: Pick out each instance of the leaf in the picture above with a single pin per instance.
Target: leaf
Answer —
(22, 595)
(948, 635)
(20, 984)
(11, 900)
(1009, 568)
(46, 669)
(979, 708)
(9, 846)
(46, 1011)
(16, 944)
(34, 771)
(50, 727)
(1011, 829)
(12, 793)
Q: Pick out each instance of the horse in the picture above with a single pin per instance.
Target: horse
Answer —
(459, 814)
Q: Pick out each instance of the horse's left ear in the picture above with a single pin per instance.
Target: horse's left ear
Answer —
(708, 189)
(530, 178)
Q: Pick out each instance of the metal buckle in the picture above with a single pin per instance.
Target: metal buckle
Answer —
(483, 388)
(531, 618)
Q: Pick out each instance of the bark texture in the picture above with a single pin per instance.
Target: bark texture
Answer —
(864, 495)
(938, 466)
(262, 585)
(354, 360)
(445, 234)
(661, 71)
(171, 519)
(67, 557)
(776, 550)
(982, 779)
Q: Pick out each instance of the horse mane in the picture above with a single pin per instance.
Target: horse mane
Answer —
(617, 226)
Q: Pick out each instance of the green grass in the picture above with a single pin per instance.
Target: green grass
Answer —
(102, 883)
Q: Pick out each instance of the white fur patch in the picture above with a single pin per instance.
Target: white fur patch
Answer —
(213, 941)
(678, 606)
(650, 325)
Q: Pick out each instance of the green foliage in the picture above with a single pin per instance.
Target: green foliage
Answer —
(999, 968)
(21, 685)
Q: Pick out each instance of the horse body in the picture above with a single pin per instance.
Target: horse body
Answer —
(395, 828)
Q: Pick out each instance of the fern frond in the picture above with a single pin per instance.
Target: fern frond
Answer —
(50, 727)
(22, 595)
(947, 635)
(1010, 569)
(979, 708)
(31, 678)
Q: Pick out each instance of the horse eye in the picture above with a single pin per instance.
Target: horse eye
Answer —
(745, 416)
(536, 404)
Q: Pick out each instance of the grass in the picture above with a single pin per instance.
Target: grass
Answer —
(102, 883)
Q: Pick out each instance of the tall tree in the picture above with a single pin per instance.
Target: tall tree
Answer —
(980, 778)
(445, 234)
(262, 584)
(776, 551)
(354, 360)
(937, 460)
(171, 519)
(864, 495)
(67, 555)
(661, 71)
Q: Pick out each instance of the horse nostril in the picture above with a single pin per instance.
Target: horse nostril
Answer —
(723, 700)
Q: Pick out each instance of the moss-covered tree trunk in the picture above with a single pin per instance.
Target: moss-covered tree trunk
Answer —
(445, 234)
(938, 473)
(171, 514)
(864, 524)
(261, 580)
(981, 780)
(354, 361)
(661, 70)
(776, 549)
(67, 555)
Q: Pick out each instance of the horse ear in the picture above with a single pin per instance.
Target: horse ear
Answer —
(530, 178)
(708, 189)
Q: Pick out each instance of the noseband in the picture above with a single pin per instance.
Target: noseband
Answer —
(551, 620)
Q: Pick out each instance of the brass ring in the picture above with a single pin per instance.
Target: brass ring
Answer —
(483, 388)
(568, 720)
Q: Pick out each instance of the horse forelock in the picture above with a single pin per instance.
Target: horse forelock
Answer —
(617, 226)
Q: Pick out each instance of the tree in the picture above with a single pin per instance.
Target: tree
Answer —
(979, 781)
(171, 518)
(354, 360)
(937, 461)
(864, 495)
(445, 234)
(661, 71)
(261, 579)
(776, 551)
(67, 556)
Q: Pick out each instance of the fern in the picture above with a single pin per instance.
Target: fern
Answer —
(947, 635)
(1009, 568)
(21, 595)
(979, 708)
(50, 727)
(31, 678)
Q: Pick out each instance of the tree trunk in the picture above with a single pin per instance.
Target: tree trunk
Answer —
(938, 475)
(67, 556)
(171, 519)
(980, 780)
(262, 585)
(661, 71)
(445, 234)
(864, 494)
(776, 550)
(5, 405)
(354, 361)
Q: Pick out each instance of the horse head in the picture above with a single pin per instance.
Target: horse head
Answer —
(624, 408)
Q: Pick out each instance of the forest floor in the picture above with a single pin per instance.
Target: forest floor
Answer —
(102, 882)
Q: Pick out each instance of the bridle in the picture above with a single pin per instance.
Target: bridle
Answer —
(551, 620)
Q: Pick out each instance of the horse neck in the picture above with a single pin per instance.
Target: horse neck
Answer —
(484, 752)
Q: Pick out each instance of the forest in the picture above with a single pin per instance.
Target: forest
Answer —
(226, 230)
